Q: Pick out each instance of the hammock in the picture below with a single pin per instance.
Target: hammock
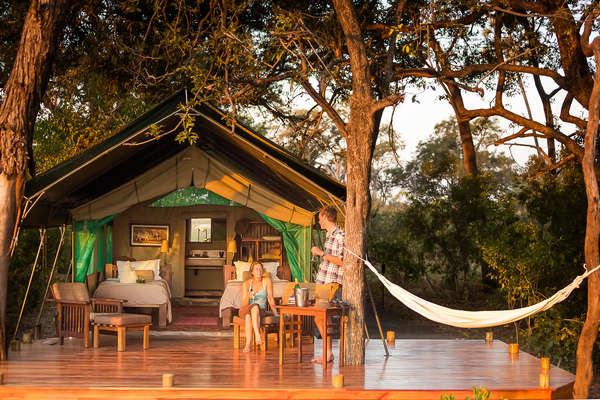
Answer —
(471, 319)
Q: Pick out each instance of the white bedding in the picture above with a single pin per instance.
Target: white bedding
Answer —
(137, 294)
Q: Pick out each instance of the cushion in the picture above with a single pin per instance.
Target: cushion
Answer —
(326, 292)
(271, 267)
(70, 291)
(147, 265)
(126, 274)
(145, 275)
(122, 319)
(240, 268)
(111, 271)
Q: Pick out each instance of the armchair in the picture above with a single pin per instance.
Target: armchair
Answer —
(76, 309)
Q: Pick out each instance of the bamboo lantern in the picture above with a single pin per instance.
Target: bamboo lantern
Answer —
(545, 361)
(489, 337)
(337, 381)
(513, 348)
(27, 338)
(167, 380)
(544, 381)
(391, 337)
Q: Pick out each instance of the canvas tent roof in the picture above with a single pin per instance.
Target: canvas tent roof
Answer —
(241, 166)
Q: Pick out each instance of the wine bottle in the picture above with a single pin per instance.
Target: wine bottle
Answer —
(297, 286)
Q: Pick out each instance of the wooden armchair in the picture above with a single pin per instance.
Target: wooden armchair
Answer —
(75, 309)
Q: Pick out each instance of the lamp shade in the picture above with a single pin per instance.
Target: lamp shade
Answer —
(164, 246)
(231, 246)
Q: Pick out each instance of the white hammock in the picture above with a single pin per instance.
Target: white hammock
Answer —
(471, 319)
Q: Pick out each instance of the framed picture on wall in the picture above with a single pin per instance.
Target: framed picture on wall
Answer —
(148, 235)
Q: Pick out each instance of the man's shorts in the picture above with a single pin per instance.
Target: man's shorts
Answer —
(334, 330)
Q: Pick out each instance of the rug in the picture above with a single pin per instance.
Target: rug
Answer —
(196, 321)
(190, 316)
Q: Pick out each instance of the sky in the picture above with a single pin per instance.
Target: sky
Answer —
(416, 121)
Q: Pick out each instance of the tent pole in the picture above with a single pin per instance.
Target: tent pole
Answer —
(37, 256)
(62, 237)
(30, 202)
(387, 352)
(72, 267)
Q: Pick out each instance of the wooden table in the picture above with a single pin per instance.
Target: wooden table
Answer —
(321, 315)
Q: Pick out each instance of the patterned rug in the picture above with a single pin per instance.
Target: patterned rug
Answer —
(190, 316)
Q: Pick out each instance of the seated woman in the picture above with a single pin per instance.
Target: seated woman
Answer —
(255, 293)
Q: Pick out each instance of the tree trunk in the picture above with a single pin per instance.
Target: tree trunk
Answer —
(22, 95)
(361, 135)
(464, 129)
(589, 332)
(357, 210)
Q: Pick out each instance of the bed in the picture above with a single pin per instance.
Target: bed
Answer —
(153, 293)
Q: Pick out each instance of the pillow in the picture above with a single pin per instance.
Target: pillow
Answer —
(271, 267)
(147, 265)
(240, 268)
(111, 271)
(145, 275)
(126, 274)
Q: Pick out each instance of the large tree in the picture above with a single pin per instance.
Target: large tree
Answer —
(22, 94)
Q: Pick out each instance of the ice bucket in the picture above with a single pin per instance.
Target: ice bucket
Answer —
(301, 296)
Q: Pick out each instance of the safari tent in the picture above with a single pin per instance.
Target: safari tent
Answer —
(133, 180)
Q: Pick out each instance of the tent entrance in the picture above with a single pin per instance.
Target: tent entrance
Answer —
(205, 256)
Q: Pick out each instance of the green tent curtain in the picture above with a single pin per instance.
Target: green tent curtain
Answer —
(296, 238)
(86, 235)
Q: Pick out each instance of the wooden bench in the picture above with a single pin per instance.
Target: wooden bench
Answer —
(120, 323)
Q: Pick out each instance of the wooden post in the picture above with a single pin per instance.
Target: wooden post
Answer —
(96, 337)
(121, 338)
(146, 337)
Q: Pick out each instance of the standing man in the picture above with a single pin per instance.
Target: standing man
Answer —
(331, 268)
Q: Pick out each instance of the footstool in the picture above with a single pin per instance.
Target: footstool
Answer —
(120, 323)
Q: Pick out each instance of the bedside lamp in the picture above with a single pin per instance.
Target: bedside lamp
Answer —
(232, 248)
(164, 249)
(164, 246)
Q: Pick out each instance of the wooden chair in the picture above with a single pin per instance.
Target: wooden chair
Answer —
(268, 324)
(75, 309)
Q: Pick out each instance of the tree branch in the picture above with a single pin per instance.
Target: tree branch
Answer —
(321, 101)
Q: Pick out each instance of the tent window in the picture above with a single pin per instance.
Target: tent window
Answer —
(206, 230)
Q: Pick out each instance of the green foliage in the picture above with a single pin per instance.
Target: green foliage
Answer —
(478, 394)
(447, 215)
(556, 337)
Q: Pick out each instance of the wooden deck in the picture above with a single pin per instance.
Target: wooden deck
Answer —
(209, 367)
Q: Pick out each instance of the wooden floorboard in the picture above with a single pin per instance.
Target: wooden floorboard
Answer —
(209, 367)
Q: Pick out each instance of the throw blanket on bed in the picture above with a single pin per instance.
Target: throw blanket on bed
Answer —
(471, 319)
(151, 292)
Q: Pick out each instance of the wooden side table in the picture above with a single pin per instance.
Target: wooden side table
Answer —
(321, 316)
